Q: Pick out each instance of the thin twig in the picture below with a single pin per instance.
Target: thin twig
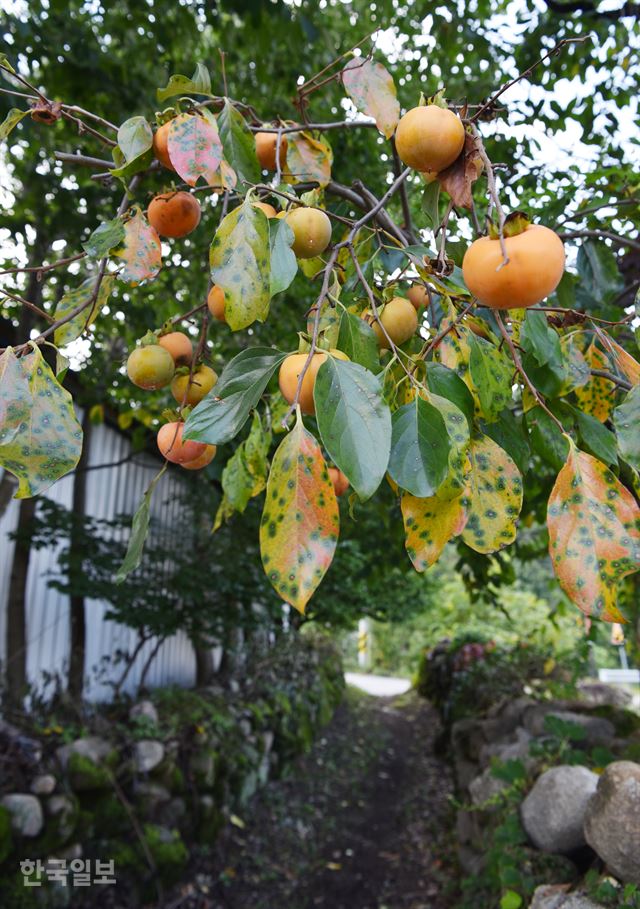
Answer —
(29, 304)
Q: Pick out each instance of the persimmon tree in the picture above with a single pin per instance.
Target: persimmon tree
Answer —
(435, 376)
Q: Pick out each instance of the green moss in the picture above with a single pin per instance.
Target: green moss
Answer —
(6, 840)
(626, 722)
(14, 895)
(169, 852)
(109, 816)
(83, 773)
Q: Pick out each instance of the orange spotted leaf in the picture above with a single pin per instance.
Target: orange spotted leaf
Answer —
(493, 497)
(622, 361)
(429, 524)
(594, 534)
(194, 148)
(141, 250)
(372, 89)
(300, 522)
(597, 396)
(309, 158)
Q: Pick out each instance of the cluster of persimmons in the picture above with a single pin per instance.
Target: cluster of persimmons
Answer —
(515, 270)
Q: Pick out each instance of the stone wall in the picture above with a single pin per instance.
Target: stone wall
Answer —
(149, 781)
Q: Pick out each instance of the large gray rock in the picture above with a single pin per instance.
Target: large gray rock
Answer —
(597, 730)
(27, 818)
(485, 788)
(515, 750)
(148, 754)
(92, 747)
(599, 694)
(144, 710)
(43, 784)
(555, 896)
(612, 822)
(553, 812)
(62, 812)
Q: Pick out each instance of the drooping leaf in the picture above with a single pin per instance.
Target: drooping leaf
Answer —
(622, 362)
(358, 341)
(106, 236)
(429, 202)
(139, 530)
(596, 397)
(198, 84)
(373, 91)
(301, 521)
(546, 439)
(626, 420)
(594, 534)
(429, 524)
(141, 250)
(245, 473)
(600, 279)
(420, 447)
(10, 121)
(40, 437)
(578, 371)
(284, 265)
(73, 299)
(218, 419)
(455, 481)
(135, 137)
(124, 170)
(445, 382)
(238, 143)
(539, 340)
(354, 422)
(459, 177)
(309, 158)
(493, 497)
(239, 258)
(194, 148)
(491, 373)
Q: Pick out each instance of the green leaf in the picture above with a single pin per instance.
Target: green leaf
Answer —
(459, 437)
(40, 437)
(198, 84)
(301, 521)
(546, 439)
(420, 447)
(139, 529)
(599, 440)
(239, 259)
(135, 137)
(75, 298)
(447, 383)
(510, 900)
(239, 144)
(245, 473)
(491, 374)
(429, 202)
(217, 419)
(600, 279)
(4, 61)
(626, 422)
(10, 121)
(354, 422)
(125, 171)
(284, 265)
(539, 340)
(107, 236)
(358, 341)
(507, 431)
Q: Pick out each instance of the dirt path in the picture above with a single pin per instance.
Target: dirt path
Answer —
(361, 822)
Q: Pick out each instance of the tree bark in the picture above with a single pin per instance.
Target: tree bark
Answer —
(77, 618)
(16, 634)
(204, 665)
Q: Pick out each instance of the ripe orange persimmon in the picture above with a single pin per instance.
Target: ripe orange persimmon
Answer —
(429, 138)
(205, 458)
(178, 345)
(290, 373)
(174, 214)
(269, 210)
(160, 145)
(400, 320)
(418, 295)
(311, 229)
(266, 144)
(215, 302)
(150, 367)
(535, 267)
(340, 482)
(173, 448)
(202, 381)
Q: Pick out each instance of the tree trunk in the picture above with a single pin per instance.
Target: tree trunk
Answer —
(77, 619)
(204, 665)
(16, 634)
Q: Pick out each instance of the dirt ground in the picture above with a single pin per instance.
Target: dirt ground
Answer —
(363, 821)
